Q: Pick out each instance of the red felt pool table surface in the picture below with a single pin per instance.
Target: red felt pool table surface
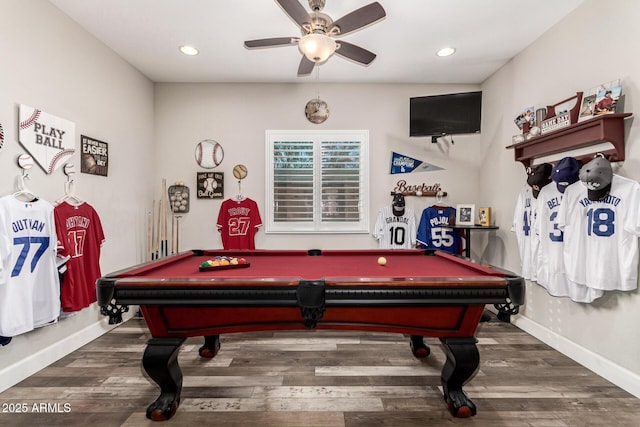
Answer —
(346, 264)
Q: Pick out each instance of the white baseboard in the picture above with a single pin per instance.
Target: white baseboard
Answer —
(618, 375)
(36, 361)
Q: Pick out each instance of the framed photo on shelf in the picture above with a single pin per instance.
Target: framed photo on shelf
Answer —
(465, 214)
(484, 216)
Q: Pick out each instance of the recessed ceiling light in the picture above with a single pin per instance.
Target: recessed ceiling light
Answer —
(189, 50)
(446, 51)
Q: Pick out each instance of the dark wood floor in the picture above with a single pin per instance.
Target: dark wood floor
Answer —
(320, 378)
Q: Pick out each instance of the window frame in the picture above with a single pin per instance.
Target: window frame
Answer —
(317, 226)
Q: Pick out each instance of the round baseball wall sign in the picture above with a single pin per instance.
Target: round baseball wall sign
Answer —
(209, 154)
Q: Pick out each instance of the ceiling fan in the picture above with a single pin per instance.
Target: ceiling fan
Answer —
(319, 31)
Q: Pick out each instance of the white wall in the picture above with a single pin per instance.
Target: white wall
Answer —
(237, 115)
(50, 63)
(593, 45)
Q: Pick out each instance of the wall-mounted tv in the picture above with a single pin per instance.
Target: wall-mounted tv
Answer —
(451, 114)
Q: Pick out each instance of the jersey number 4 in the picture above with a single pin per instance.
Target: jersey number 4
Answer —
(42, 244)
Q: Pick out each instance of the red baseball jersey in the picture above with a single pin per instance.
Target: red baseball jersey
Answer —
(238, 222)
(80, 231)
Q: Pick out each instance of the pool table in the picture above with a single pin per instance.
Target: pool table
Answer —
(417, 292)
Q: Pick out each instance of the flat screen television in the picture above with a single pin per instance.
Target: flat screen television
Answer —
(451, 114)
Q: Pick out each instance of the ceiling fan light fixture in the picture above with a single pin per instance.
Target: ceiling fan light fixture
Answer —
(317, 47)
(189, 50)
(446, 51)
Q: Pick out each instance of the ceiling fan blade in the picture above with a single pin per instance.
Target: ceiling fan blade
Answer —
(276, 41)
(295, 10)
(355, 53)
(358, 18)
(306, 66)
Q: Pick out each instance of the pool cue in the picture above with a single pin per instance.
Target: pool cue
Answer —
(158, 232)
(165, 205)
(172, 241)
(153, 229)
(178, 233)
(149, 233)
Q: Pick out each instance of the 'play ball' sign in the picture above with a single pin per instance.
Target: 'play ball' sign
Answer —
(50, 140)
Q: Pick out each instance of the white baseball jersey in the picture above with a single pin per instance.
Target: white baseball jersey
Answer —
(395, 232)
(29, 284)
(601, 237)
(523, 217)
(550, 267)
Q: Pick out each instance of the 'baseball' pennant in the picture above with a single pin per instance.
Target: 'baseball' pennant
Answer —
(405, 164)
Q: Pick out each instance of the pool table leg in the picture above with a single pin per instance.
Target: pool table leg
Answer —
(211, 347)
(419, 349)
(160, 361)
(462, 364)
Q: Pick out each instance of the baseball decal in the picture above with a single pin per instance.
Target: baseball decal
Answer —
(209, 154)
(240, 172)
(50, 140)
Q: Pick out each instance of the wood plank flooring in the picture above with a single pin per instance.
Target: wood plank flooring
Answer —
(319, 378)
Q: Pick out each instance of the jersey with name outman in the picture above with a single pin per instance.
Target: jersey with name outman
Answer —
(395, 231)
(29, 284)
(601, 237)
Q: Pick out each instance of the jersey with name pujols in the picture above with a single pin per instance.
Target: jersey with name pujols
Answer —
(29, 284)
(601, 237)
(523, 217)
(550, 269)
(432, 234)
(395, 232)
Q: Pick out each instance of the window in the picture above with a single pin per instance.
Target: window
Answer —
(317, 182)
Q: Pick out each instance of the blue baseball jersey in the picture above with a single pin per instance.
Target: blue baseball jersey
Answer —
(432, 234)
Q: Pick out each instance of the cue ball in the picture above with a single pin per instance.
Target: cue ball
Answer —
(382, 260)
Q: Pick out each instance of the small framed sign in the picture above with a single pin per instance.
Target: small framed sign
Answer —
(465, 214)
(95, 156)
(210, 185)
(484, 216)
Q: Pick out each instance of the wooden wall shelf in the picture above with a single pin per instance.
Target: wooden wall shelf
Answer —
(604, 128)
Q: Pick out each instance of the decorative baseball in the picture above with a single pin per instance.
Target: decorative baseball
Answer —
(240, 171)
(25, 161)
(209, 154)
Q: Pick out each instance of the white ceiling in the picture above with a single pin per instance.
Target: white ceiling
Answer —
(147, 34)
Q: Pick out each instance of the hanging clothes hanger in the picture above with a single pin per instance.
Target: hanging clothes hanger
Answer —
(440, 203)
(25, 162)
(69, 194)
(23, 193)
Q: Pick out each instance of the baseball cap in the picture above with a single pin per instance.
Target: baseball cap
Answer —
(596, 176)
(398, 204)
(565, 172)
(539, 177)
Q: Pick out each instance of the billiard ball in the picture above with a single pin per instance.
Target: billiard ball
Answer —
(382, 260)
